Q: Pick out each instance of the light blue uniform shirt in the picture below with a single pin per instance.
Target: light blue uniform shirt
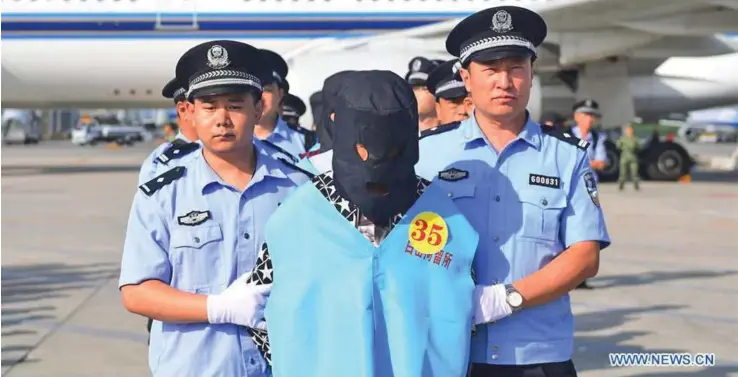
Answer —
(594, 152)
(203, 253)
(150, 168)
(288, 139)
(529, 203)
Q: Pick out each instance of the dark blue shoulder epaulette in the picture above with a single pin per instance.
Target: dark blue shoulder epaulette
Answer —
(565, 137)
(169, 176)
(440, 129)
(178, 149)
(295, 167)
(279, 149)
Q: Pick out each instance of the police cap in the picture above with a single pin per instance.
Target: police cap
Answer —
(174, 90)
(220, 67)
(278, 67)
(496, 33)
(292, 106)
(444, 81)
(418, 70)
(587, 106)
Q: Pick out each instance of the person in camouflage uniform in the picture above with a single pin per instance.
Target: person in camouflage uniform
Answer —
(628, 146)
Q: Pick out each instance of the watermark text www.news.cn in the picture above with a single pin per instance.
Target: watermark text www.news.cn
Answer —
(662, 359)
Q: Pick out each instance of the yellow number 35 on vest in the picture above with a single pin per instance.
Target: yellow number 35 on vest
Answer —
(428, 233)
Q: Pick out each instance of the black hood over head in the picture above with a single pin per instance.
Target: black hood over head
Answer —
(378, 111)
(332, 87)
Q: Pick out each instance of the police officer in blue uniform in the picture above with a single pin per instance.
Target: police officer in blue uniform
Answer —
(529, 192)
(194, 231)
(292, 109)
(418, 70)
(586, 113)
(316, 108)
(271, 126)
(449, 92)
(170, 154)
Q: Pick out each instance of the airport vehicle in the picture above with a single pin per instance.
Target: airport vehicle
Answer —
(713, 125)
(660, 159)
(93, 129)
(20, 127)
(120, 53)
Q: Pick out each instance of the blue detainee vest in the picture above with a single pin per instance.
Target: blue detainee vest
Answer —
(342, 307)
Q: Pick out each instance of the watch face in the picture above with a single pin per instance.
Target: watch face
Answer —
(515, 299)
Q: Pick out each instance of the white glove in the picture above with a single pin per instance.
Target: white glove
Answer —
(490, 303)
(240, 304)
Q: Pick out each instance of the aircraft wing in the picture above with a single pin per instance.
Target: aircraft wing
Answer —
(588, 30)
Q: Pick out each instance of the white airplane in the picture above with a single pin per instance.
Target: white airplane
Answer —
(119, 53)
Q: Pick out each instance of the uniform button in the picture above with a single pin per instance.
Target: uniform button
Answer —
(497, 198)
(246, 236)
(494, 357)
(497, 238)
(449, 194)
(544, 202)
(196, 239)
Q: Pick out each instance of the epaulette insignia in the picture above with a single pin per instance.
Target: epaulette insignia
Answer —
(279, 149)
(169, 176)
(177, 150)
(293, 166)
(439, 129)
(565, 137)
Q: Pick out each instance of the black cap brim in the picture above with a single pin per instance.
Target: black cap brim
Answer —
(500, 53)
(588, 110)
(452, 93)
(221, 90)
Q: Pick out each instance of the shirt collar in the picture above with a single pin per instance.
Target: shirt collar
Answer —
(576, 132)
(266, 166)
(531, 132)
(282, 129)
(182, 137)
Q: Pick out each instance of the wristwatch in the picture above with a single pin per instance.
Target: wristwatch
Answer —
(514, 298)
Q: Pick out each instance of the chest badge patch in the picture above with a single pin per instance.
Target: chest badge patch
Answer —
(591, 185)
(544, 181)
(453, 174)
(193, 218)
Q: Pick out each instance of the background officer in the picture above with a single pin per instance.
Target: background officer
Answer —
(418, 70)
(586, 113)
(628, 145)
(163, 156)
(292, 109)
(271, 126)
(529, 192)
(194, 232)
(449, 93)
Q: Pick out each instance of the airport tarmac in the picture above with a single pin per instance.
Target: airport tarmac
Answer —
(668, 283)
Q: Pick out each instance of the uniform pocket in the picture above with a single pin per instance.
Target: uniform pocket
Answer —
(196, 256)
(541, 213)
